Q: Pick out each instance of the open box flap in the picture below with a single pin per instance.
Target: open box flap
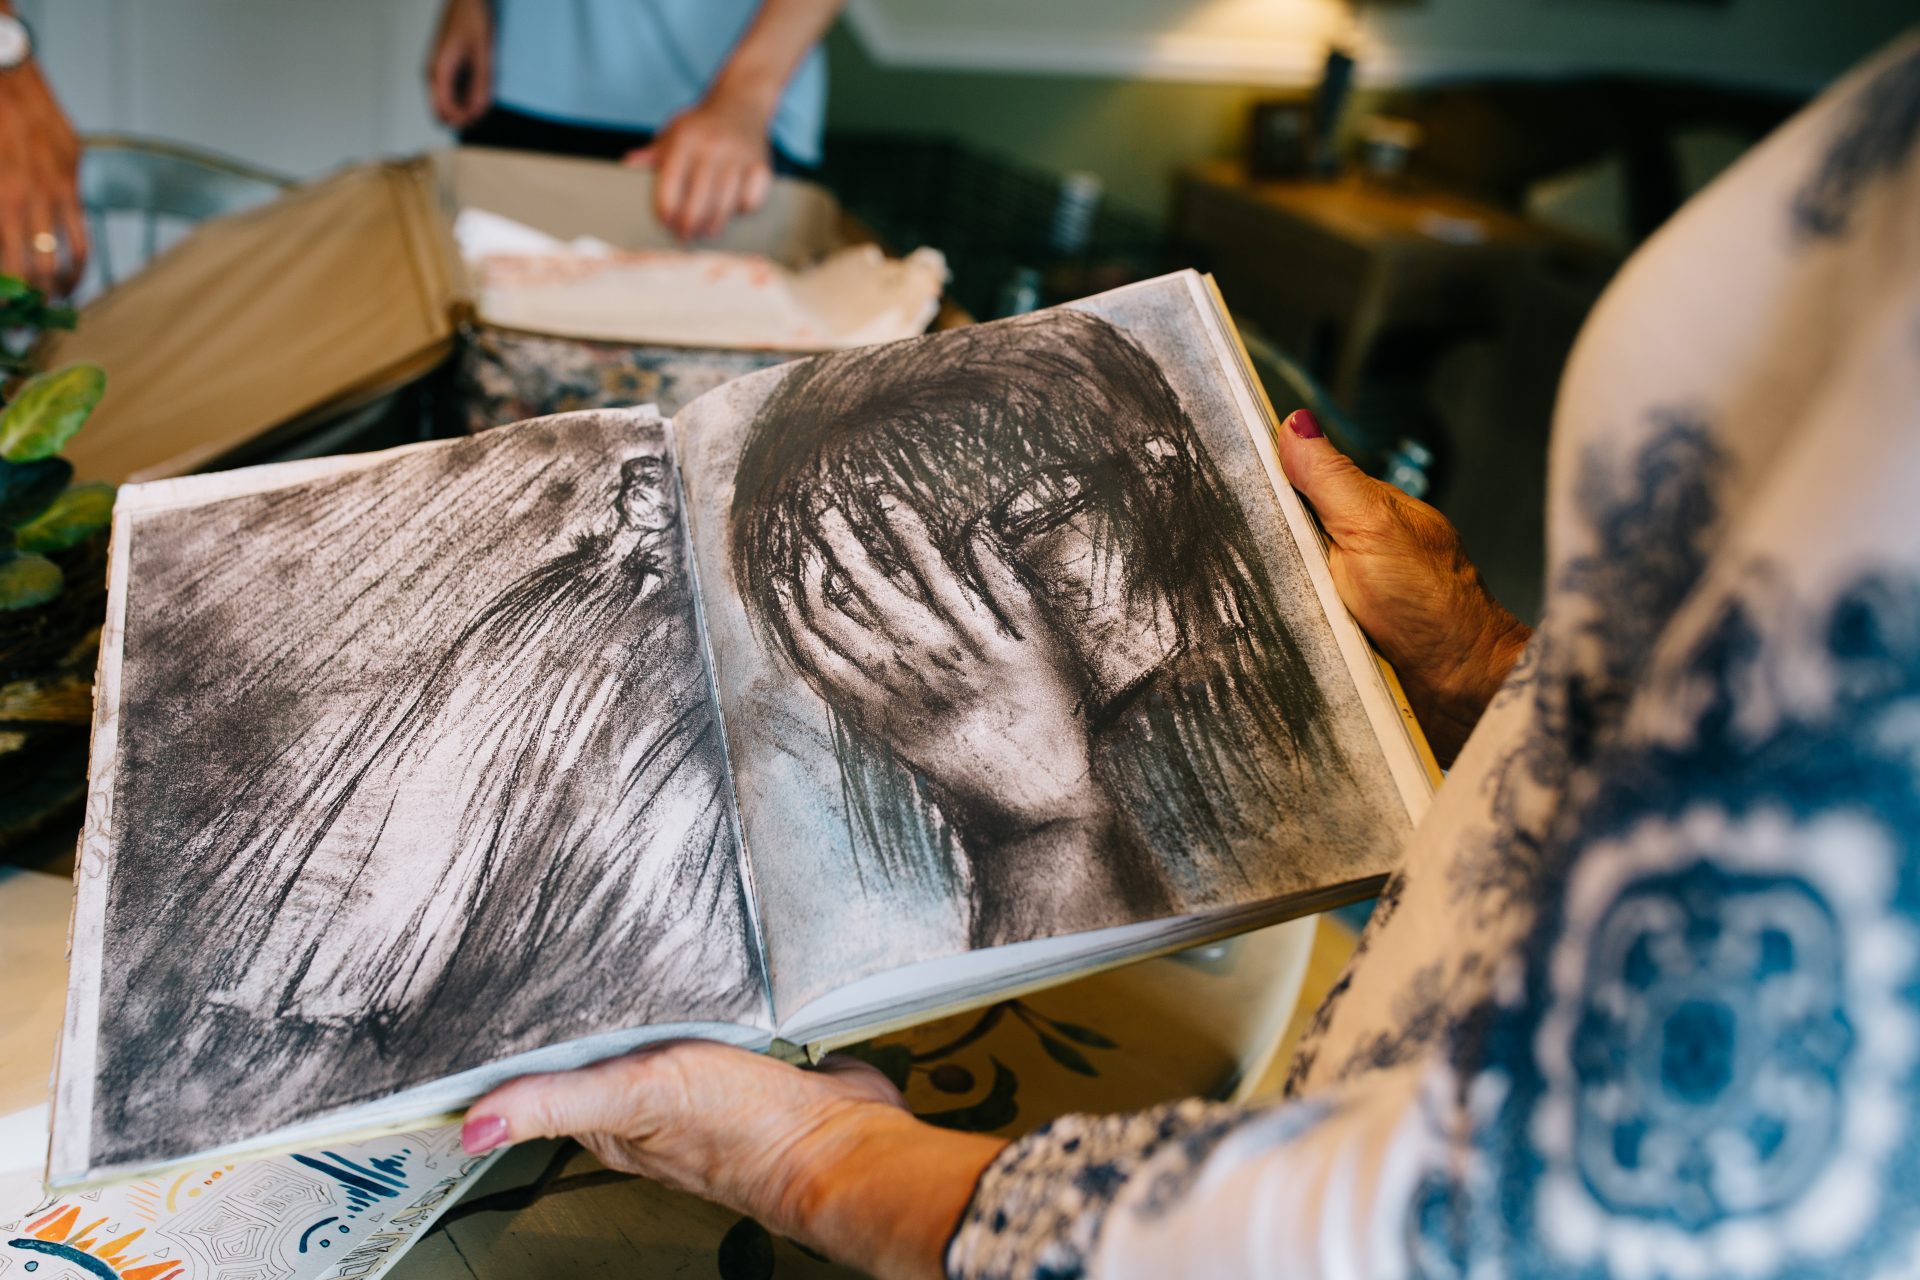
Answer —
(333, 293)
(568, 197)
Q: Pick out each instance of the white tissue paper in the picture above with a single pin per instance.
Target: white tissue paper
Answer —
(856, 296)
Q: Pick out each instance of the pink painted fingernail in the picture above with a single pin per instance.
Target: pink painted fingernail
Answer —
(1302, 424)
(481, 1134)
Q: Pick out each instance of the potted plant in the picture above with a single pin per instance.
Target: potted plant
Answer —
(53, 555)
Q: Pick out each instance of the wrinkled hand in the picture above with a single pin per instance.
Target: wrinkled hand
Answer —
(725, 1124)
(39, 186)
(710, 162)
(460, 64)
(829, 1157)
(971, 689)
(1399, 567)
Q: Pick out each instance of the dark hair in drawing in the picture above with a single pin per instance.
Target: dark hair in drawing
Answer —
(967, 427)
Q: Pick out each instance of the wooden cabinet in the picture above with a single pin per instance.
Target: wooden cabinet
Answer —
(1329, 269)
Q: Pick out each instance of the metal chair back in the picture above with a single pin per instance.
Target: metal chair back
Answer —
(141, 194)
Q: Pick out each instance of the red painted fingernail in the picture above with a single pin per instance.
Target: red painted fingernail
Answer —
(1303, 425)
(481, 1134)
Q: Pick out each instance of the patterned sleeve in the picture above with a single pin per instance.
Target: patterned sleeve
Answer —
(1199, 1188)
(1702, 1056)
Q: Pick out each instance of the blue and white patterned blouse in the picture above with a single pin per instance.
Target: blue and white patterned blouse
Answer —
(1645, 999)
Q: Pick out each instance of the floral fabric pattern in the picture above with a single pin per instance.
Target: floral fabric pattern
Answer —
(508, 377)
(1644, 1001)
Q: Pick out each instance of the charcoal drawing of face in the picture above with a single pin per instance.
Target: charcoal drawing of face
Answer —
(645, 500)
(1006, 563)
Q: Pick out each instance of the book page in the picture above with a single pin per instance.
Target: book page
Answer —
(403, 765)
(1014, 639)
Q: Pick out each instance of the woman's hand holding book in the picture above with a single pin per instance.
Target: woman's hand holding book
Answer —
(829, 1157)
(1399, 566)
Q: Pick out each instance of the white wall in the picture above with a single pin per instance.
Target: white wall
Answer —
(1787, 44)
(297, 86)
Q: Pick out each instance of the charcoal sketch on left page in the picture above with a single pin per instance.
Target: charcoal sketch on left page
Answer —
(418, 768)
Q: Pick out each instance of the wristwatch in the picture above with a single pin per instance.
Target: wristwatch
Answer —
(16, 42)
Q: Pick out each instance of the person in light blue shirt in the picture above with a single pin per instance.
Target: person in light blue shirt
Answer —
(715, 95)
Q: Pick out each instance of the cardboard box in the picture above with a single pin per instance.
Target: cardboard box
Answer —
(263, 323)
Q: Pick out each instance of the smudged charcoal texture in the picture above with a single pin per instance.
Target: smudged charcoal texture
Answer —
(419, 769)
(948, 538)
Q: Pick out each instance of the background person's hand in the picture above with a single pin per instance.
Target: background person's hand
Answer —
(40, 208)
(460, 64)
(710, 162)
(1399, 567)
(829, 1157)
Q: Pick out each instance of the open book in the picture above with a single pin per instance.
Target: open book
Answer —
(873, 686)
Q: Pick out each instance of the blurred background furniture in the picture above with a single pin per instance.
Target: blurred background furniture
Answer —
(1332, 270)
(1608, 157)
(142, 194)
(1016, 236)
(1395, 298)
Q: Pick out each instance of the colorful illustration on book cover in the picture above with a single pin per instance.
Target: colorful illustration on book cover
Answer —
(330, 1215)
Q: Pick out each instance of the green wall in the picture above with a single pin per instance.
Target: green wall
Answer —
(1133, 133)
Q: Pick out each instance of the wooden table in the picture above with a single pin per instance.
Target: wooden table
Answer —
(1327, 269)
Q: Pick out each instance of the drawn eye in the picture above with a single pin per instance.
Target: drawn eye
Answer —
(1165, 457)
(1045, 502)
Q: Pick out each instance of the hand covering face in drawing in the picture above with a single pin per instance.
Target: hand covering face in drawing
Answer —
(1008, 566)
(466, 826)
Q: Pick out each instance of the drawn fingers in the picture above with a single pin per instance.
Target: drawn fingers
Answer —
(867, 687)
(845, 679)
(1015, 616)
(947, 593)
(861, 581)
(822, 606)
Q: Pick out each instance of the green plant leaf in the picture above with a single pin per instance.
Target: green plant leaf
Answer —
(28, 488)
(75, 516)
(26, 581)
(1082, 1035)
(48, 410)
(24, 307)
